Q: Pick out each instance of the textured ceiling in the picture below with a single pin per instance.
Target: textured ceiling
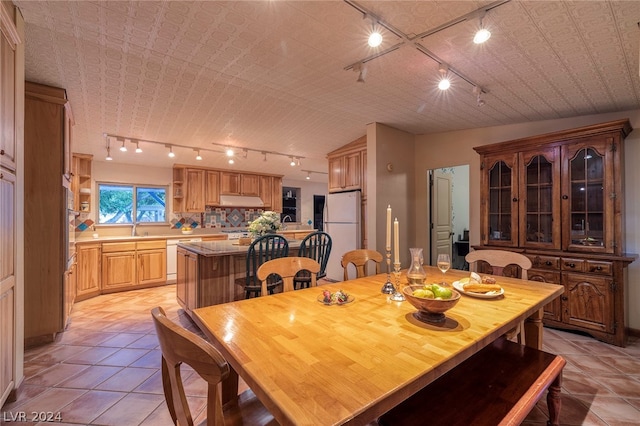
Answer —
(270, 75)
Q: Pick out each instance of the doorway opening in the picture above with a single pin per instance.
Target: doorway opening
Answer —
(449, 214)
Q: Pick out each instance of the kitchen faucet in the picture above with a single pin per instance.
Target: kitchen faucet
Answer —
(284, 220)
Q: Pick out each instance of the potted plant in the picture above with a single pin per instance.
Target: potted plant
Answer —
(267, 223)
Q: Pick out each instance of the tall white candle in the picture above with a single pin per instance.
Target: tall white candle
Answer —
(396, 247)
(388, 228)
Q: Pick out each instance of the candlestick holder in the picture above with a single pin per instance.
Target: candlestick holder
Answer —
(388, 288)
(397, 295)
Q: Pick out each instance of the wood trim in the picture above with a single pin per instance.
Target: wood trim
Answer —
(8, 27)
(356, 145)
(556, 138)
(186, 166)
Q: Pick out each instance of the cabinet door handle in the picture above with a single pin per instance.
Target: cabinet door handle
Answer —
(565, 197)
(548, 263)
(571, 265)
(564, 298)
(598, 268)
(515, 200)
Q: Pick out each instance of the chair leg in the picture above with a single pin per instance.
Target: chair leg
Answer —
(168, 394)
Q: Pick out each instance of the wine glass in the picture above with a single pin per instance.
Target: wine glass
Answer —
(444, 263)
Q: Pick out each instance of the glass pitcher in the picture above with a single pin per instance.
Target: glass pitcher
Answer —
(416, 273)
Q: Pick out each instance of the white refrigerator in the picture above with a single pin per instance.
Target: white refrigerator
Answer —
(342, 223)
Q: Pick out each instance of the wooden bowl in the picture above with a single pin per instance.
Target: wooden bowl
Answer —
(430, 310)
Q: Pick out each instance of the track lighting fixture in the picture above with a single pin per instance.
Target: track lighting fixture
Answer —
(245, 152)
(138, 149)
(231, 161)
(308, 176)
(360, 70)
(123, 148)
(482, 34)
(292, 163)
(264, 156)
(229, 152)
(171, 154)
(477, 90)
(108, 157)
(444, 83)
(198, 156)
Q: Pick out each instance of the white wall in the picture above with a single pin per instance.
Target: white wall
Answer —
(456, 148)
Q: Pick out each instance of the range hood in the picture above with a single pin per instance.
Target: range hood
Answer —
(240, 201)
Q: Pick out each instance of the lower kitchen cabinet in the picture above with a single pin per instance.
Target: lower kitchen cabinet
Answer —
(88, 271)
(187, 278)
(70, 285)
(131, 265)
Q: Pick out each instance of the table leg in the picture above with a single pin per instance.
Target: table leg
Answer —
(554, 402)
(230, 388)
(533, 330)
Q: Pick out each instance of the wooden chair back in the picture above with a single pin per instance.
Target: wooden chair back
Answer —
(360, 258)
(261, 250)
(499, 260)
(316, 246)
(178, 346)
(287, 268)
(506, 263)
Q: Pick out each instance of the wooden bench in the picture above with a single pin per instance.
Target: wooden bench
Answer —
(499, 385)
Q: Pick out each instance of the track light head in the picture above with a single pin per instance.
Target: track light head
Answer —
(264, 156)
(138, 149)
(477, 90)
(308, 176)
(108, 157)
(482, 34)
(292, 163)
(198, 156)
(123, 148)
(171, 154)
(444, 82)
(229, 152)
(375, 39)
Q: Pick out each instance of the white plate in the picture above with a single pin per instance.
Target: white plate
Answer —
(491, 295)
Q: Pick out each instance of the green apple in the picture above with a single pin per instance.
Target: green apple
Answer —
(441, 292)
(424, 293)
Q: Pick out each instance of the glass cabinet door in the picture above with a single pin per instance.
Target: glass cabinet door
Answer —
(540, 199)
(590, 214)
(501, 227)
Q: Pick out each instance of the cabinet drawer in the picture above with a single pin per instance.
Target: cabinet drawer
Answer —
(599, 267)
(545, 262)
(575, 265)
(115, 247)
(150, 245)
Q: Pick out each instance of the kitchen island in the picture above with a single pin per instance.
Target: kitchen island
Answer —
(207, 272)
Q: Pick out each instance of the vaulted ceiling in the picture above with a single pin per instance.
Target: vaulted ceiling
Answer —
(270, 75)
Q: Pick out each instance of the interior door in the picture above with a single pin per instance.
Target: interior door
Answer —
(441, 214)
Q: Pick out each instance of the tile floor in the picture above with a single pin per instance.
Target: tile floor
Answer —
(104, 370)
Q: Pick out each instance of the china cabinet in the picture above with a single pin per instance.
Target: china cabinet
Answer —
(558, 198)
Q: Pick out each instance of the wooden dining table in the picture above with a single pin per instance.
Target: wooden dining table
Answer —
(316, 364)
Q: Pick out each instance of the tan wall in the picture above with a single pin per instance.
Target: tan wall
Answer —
(456, 148)
(396, 187)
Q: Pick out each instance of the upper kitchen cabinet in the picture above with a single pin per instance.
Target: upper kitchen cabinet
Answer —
(194, 190)
(81, 181)
(266, 190)
(232, 183)
(9, 39)
(211, 188)
(558, 199)
(46, 152)
(346, 166)
(178, 189)
(276, 199)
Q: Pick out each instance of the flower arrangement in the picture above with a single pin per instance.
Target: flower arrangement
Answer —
(267, 222)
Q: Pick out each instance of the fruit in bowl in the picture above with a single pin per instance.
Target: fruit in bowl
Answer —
(431, 309)
(187, 230)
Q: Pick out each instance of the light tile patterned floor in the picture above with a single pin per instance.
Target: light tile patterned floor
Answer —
(104, 370)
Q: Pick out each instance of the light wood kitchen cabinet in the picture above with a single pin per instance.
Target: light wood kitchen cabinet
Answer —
(194, 193)
(187, 278)
(81, 181)
(229, 183)
(88, 270)
(266, 191)
(276, 196)
(250, 185)
(178, 189)
(8, 42)
(220, 237)
(211, 188)
(558, 198)
(345, 171)
(132, 265)
(152, 262)
(118, 266)
(11, 113)
(70, 283)
(46, 124)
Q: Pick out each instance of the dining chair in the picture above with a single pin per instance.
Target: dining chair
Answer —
(360, 258)
(261, 250)
(504, 263)
(317, 246)
(181, 346)
(286, 268)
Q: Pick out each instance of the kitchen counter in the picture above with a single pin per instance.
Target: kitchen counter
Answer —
(124, 238)
(223, 248)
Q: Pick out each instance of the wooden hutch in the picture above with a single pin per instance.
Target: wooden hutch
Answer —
(559, 199)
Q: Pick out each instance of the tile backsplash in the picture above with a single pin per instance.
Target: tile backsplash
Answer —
(217, 217)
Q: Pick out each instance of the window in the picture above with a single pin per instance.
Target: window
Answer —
(290, 204)
(121, 203)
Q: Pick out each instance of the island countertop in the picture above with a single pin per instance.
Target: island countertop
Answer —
(223, 248)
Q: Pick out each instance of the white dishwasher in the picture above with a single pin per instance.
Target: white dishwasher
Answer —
(172, 256)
